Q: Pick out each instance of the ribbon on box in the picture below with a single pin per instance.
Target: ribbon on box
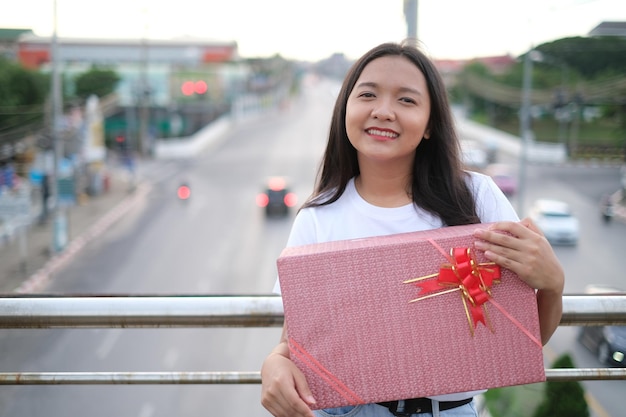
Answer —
(342, 389)
(473, 279)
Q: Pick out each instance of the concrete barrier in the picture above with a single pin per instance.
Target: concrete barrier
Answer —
(540, 152)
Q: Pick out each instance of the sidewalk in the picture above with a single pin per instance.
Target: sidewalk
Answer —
(24, 269)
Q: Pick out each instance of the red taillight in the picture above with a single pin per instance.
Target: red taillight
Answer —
(183, 192)
(276, 184)
(262, 200)
(290, 199)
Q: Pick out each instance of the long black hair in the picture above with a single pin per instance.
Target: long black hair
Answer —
(438, 183)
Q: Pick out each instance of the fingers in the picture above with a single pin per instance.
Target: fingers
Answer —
(502, 240)
(303, 389)
(285, 392)
(512, 245)
(522, 248)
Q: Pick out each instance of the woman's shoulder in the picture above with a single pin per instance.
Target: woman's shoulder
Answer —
(479, 182)
(491, 203)
(476, 177)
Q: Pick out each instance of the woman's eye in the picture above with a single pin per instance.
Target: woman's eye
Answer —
(408, 100)
(366, 94)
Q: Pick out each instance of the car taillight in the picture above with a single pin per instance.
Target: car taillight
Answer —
(183, 192)
(262, 200)
(290, 199)
(276, 183)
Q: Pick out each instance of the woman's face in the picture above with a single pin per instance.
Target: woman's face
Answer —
(387, 111)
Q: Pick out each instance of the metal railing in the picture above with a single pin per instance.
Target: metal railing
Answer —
(179, 311)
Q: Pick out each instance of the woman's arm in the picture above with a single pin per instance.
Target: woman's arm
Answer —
(524, 250)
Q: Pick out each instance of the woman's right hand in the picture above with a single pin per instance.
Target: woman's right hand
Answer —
(284, 392)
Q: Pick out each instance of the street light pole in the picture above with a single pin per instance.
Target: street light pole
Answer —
(525, 129)
(59, 226)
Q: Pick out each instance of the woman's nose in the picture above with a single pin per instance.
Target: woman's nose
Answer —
(383, 110)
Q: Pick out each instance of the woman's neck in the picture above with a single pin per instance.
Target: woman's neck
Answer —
(384, 191)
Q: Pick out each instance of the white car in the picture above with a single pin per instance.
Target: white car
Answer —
(473, 155)
(556, 221)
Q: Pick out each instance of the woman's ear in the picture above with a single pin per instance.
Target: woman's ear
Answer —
(427, 134)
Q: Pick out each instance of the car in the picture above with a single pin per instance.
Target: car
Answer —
(276, 198)
(556, 221)
(473, 155)
(608, 343)
(504, 178)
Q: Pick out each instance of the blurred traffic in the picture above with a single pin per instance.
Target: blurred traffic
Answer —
(276, 198)
(608, 343)
(556, 220)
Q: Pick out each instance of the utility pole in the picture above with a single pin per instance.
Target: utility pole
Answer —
(145, 147)
(144, 91)
(525, 129)
(410, 15)
(59, 227)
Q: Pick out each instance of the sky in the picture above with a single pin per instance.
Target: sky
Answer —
(315, 29)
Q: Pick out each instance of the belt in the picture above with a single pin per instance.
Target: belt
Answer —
(422, 405)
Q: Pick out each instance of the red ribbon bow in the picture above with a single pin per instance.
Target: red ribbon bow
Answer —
(463, 273)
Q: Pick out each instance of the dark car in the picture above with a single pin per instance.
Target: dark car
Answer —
(608, 343)
(276, 198)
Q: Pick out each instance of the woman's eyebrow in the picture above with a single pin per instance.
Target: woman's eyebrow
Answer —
(371, 84)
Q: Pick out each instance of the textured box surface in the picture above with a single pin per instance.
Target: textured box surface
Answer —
(358, 338)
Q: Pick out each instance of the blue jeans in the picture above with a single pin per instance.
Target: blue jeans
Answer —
(375, 410)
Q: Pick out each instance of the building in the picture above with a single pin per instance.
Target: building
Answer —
(8, 41)
(609, 29)
(167, 87)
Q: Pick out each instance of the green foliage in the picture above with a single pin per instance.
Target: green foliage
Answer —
(591, 57)
(22, 95)
(563, 399)
(568, 73)
(97, 81)
(514, 401)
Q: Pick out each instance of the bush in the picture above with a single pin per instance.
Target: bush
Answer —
(563, 399)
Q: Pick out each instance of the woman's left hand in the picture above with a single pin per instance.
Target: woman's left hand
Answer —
(524, 250)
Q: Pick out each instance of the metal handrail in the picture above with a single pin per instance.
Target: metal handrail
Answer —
(140, 311)
(254, 377)
(39, 312)
(28, 312)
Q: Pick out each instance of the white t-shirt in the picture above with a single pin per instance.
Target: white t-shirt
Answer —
(351, 217)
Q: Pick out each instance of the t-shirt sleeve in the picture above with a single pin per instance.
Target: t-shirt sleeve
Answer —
(491, 203)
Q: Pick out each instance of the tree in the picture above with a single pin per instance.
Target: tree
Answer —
(22, 95)
(563, 399)
(98, 81)
(591, 57)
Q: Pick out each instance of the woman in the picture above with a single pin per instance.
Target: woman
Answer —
(392, 165)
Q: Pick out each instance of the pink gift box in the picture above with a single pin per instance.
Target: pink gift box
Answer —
(359, 338)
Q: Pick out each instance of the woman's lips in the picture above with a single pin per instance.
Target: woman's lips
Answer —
(381, 134)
